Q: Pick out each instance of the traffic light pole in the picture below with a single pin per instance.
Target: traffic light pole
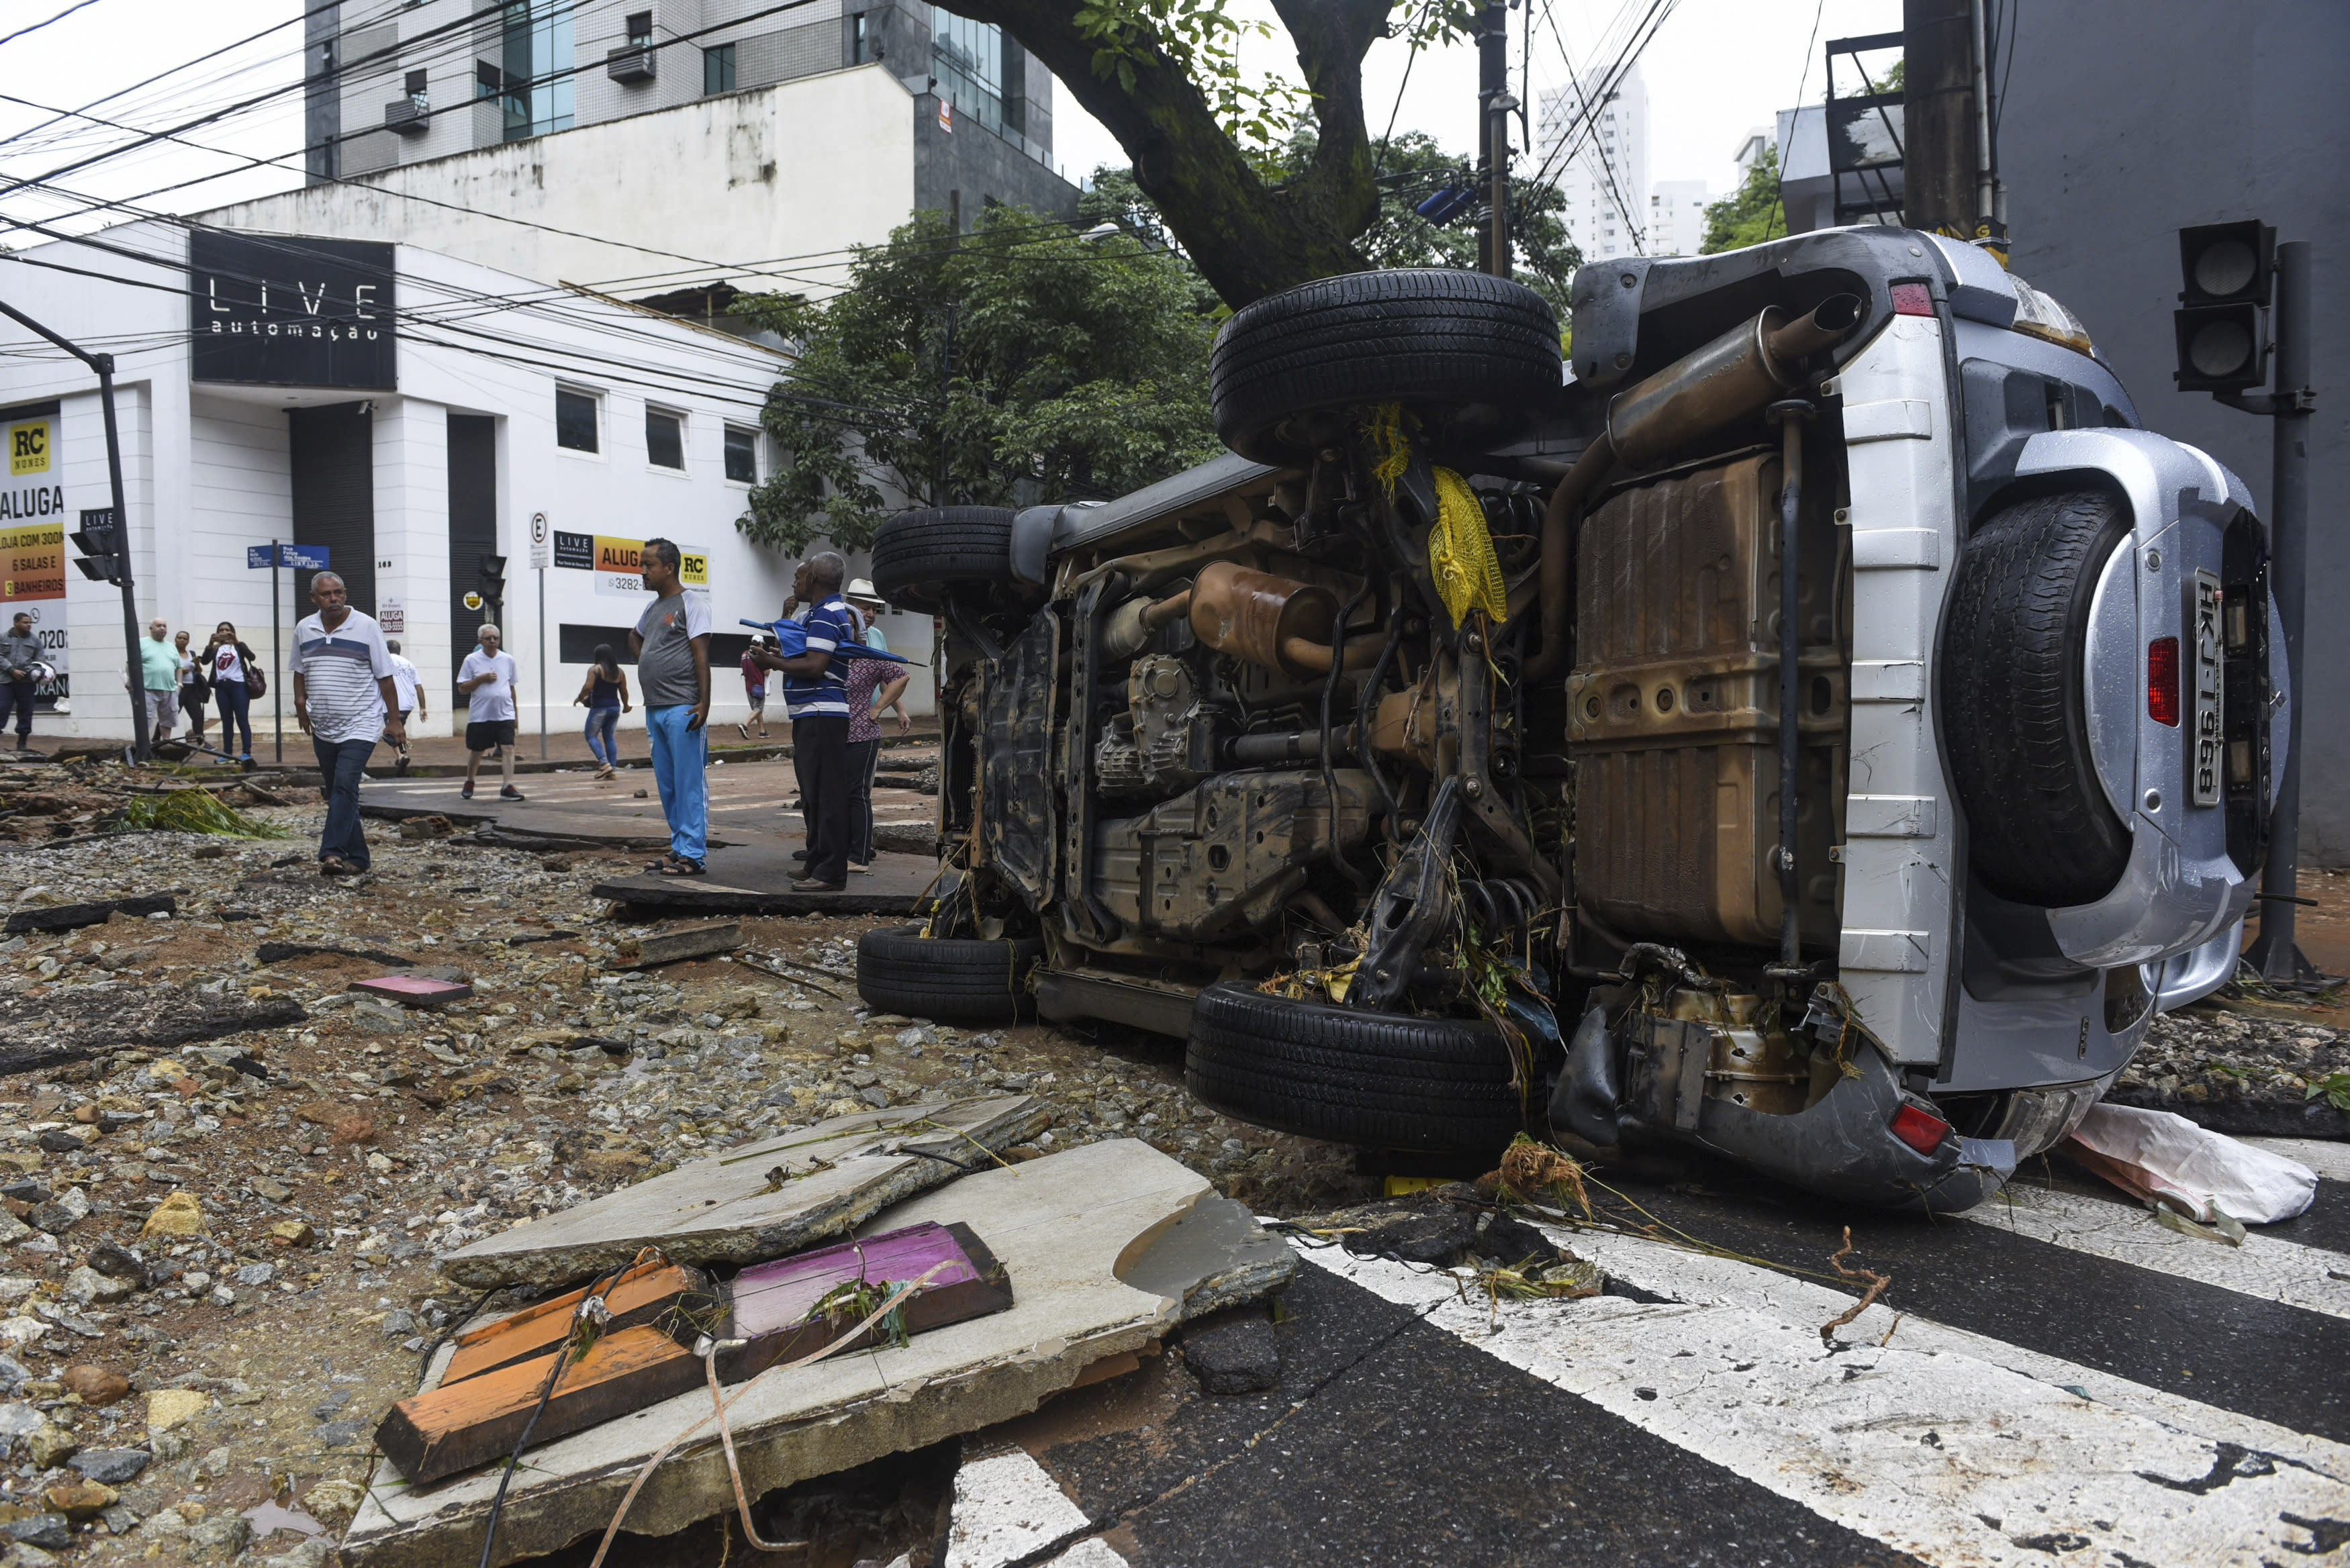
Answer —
(2276, 952)
(103, 363)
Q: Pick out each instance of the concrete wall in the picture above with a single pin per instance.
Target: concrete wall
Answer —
(2124, 121)
(718, 188)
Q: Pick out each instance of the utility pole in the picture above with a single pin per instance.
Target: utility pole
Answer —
(1939, 120)
(1494, 104)
(103, 365)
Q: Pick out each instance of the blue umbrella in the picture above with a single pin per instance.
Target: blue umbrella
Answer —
(791, 641)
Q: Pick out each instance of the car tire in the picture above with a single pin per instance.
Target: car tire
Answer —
(2014, 711)
(1374, 1080)
(922, 557)
(1470, 354)
(958, 979)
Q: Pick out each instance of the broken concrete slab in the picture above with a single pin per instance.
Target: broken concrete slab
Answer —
(780, 1195)
(655, 898)
(1061, 1226)
(73, 917)
(1212, 1256)
(77, 1025)
(278, 952)
(648, 948)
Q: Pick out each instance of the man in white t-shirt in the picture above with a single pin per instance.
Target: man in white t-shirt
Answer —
(487, 681)
(342, 697)
(404, 680)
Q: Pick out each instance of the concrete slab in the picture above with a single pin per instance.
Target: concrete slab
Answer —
(1069, 1230)
(731, 1209)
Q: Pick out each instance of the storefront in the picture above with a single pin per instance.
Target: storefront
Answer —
(459, 445)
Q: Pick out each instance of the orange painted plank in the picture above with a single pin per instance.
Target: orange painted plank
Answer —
(641, 1295)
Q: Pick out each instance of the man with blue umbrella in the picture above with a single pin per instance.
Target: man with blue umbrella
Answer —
(815, 697)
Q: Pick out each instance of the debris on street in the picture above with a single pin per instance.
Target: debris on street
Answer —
(2168, 1161)
(2264, 1075)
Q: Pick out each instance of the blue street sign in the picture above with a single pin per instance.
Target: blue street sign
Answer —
(294, 558)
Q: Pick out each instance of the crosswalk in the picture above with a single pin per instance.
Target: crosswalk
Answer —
(1908, 1433)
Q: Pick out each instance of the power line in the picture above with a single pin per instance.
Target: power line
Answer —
(77, 5)
(1779, 187)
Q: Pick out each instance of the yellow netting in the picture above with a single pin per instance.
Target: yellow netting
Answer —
(1392, 442)
(1461, 553)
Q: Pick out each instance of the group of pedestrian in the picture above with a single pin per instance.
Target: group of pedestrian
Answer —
(181, 682)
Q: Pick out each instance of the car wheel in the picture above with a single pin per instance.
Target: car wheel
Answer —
(1470, 354)
(1373, 1079)
(921, 557)
(2014, 713)
(963, 979)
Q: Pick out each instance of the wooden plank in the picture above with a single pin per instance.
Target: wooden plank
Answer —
(768, 1199)
(435, 1435)
(774, 1305)
(681, 942)
(72, 916)
(642, 1295)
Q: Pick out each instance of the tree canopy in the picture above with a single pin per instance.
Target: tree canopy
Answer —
(1015, 361)
(1749, 214)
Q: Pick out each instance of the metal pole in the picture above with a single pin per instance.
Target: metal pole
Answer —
(1493, 86)
(276, 649)
(542, 662)
(2276, 954)
(141, 742)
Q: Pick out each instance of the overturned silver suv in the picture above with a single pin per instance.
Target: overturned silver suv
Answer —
(1815, 724)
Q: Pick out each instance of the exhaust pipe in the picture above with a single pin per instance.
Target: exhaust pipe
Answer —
(1735, 376)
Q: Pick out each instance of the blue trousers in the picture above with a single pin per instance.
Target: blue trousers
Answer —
(342, 763)
(680, 757)
(235, 712)
(603, 737)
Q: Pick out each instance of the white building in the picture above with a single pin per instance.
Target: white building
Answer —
(1602, 172)
(410, 413)
(1677, 217)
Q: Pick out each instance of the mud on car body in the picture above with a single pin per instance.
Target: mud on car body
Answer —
(1420, 764)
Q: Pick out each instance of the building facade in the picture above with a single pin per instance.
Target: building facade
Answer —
(1598, 142)
(409, 416)
(1677, 217)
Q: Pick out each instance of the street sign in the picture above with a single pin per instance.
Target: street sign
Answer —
(292, 557)
(542, 549)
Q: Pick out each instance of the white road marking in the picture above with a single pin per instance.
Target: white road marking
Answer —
(2263, 1266)
(1956, 1458)
(1006, 1507)
(2330, 1159)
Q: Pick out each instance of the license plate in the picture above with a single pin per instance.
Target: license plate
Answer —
(2210, 742)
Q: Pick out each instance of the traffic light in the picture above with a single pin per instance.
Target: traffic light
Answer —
(100, 560)
(493, 580)
(2223, 320)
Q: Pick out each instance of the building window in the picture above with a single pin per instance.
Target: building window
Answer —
(664, 440)
(574, 420)
(718, 69)
(741, 455)
(487, 79)
(538, 63)
(864, 39)
(415, 84)
(640, 28)
(967, 58)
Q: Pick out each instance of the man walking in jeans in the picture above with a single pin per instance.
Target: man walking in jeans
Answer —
(671, 642)
(344, 699)
(817, 700)
(20, 650)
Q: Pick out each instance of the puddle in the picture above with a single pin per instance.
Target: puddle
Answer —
(270, 1517)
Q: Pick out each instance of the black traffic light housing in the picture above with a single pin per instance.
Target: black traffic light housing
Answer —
(493, 588)
(98, 538)
(2223, 320)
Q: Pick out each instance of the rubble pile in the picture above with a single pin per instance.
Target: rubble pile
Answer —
(2241, 1072)
(217, 1274)
(85, 796)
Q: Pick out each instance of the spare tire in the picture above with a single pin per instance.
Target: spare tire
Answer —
(919, 558)
(963, 979)
(2014, 711)
(1376, 1080)
(1471, 354)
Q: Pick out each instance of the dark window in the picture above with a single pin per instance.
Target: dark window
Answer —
(741, 455)
(718, 69)
(664, 440)
(574, 420)
(575, 644)
(487, 79)
(862, 43)
(415, 84)
(640, 26)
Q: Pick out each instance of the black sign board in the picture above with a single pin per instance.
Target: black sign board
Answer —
(288, 311)
(576, 550)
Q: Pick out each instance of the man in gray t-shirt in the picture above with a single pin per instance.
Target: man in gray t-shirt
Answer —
(671, 642)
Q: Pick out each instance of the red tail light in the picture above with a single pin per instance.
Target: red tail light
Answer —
(2162, 680)
(1912, 299)
(1920, 1131)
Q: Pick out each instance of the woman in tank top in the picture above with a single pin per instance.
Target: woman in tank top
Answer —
(605, 695)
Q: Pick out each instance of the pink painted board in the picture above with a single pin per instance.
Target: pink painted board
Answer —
(415, 989)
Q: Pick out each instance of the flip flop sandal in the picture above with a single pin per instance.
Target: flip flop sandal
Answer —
(683, 868)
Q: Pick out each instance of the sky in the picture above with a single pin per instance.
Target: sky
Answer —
(1714, 68)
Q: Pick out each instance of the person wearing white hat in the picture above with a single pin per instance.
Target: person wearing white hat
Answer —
(875, 686)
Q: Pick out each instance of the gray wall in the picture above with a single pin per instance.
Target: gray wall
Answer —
(976, 166)
(2128, 119)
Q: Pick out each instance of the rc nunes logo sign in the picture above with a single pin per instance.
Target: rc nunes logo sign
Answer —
(289, 311)
(32, 513)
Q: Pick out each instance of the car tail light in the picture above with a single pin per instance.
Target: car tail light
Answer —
(2162, 680)
(1912, 299)
(1918, 1129)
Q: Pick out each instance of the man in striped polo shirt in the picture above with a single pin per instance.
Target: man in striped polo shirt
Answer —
(817, 698)
(344, 697)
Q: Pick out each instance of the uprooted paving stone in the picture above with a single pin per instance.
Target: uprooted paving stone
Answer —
(75, 1024)
(1239, 1357)
(2240, 1073)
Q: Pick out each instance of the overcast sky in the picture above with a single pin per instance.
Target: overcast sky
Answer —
(1715, 69)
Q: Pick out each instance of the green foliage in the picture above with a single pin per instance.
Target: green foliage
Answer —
(2333, 1088)
(1015, 362)
(1749, 214)
(192, 811)
(1202, 39)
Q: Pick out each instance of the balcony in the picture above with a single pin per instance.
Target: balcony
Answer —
(409, 116)
(633, 64)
